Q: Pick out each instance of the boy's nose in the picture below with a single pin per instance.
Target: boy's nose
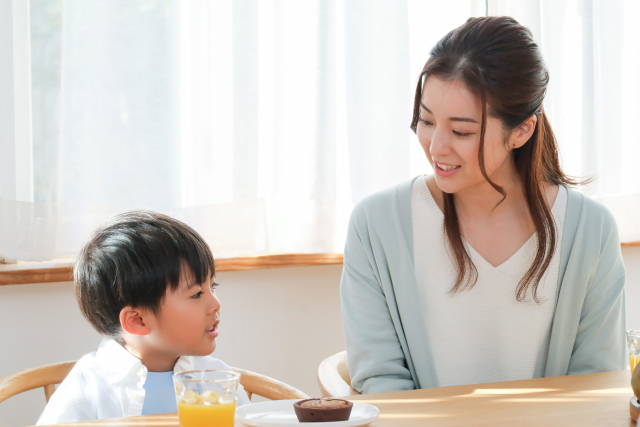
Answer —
(214, 303)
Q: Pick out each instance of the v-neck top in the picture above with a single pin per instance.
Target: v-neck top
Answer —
(388, 346)
(483, 334)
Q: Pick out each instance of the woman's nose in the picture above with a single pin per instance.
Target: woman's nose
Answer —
(439, 146)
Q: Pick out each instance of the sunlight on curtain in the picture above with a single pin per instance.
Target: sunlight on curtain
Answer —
(259, 123)
(590, 49)
(262, 122)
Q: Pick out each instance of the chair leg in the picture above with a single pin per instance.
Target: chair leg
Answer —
(48, 391)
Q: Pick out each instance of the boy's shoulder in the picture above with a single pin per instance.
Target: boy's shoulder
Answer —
(72, 400)
(82, 371)
(209, 362)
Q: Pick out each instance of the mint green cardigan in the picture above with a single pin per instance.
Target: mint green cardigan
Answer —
(386, 336)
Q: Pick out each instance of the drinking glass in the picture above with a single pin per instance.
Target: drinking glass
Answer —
(633, 342)
(206, 397)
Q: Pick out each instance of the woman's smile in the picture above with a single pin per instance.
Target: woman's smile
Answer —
(446, 170)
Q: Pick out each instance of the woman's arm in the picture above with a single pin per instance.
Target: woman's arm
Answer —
(600, 343)
(376, 360)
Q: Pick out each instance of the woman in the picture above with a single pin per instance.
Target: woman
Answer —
(492, 269)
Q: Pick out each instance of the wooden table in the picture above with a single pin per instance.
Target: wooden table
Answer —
(577, 400)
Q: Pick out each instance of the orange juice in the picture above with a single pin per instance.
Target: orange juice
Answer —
(200, 415)
(633, 361)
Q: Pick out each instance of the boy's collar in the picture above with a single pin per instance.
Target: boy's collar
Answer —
(118, 363)
(184, 363)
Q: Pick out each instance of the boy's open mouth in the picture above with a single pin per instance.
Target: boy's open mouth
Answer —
(213, 330)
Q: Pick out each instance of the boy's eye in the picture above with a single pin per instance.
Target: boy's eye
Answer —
(198, 294)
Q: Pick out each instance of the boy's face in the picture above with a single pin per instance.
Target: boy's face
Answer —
(187, 322)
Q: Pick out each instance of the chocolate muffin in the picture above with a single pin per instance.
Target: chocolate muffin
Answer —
(322, 410)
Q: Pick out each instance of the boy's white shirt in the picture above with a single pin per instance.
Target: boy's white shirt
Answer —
(108, 383)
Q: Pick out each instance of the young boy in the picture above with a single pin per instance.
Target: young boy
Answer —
(146, 282)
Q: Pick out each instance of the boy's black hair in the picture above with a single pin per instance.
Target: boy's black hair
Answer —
(131, 261)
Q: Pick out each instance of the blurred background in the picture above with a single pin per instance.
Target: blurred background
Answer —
(260, 123)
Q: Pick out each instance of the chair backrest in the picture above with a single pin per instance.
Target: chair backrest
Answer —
(267, 387)
(333, 376)
(43, 376)
(49, 375)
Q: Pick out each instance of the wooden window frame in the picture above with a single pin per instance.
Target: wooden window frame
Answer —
(50, 272)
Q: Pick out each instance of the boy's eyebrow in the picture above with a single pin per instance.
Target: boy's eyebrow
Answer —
(191, 284)
(453, 119)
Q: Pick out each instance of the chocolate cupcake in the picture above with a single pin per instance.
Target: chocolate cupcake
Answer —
(322, 410)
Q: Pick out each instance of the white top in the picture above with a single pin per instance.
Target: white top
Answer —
(485, 334)
(109, 383)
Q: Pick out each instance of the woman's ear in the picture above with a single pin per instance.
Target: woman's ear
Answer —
(522, 133)
(132, 321)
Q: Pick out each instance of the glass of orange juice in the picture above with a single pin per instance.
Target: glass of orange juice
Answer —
(206, 398)
(633, 342)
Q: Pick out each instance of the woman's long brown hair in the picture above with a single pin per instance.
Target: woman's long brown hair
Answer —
(498, 60)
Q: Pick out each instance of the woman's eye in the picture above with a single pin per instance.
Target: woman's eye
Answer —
(428, 123)
(463, 135)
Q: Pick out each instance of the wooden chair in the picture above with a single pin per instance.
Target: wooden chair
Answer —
(267, 387)
(333, 376)
(46, 376)
(49, 375)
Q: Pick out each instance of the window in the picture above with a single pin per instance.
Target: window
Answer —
(262, 123)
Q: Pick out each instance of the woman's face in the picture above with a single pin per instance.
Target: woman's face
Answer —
(449, 132)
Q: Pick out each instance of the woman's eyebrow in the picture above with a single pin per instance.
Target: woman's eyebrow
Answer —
(425, 108)
(463, 119)
(453, 119)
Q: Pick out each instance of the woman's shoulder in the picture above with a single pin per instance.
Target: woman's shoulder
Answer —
(381, 204)
(585, 208)
(592, 220)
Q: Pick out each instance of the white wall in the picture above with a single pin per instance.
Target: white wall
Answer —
(279, 322)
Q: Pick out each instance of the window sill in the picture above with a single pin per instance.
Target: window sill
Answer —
(62, 271)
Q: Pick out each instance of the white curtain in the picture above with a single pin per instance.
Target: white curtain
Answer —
(591, 49)
(261, 123)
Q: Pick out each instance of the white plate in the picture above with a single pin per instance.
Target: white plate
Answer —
(280, 413)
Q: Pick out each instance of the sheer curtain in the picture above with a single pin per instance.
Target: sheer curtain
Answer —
(591, 50)
(261, 123)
